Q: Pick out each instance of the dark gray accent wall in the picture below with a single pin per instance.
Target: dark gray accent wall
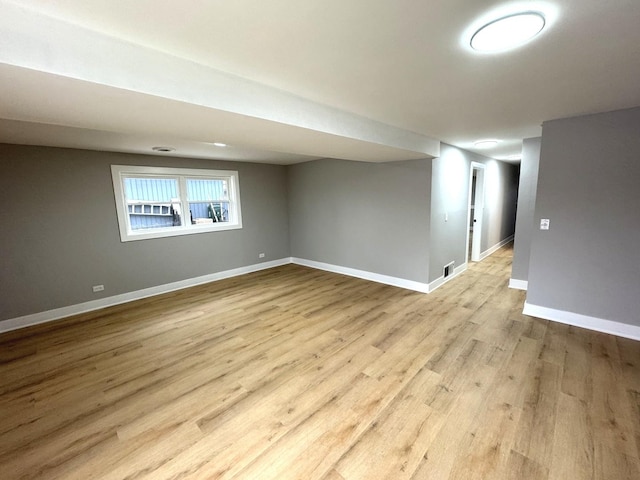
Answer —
(366, 216)
(450, 205)
(526, 208)
(60, 232)
(588, 262)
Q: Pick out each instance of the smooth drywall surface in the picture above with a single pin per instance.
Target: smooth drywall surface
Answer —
(371, 217)
(526, 208)
(106, 62)
(449, 209)
(60, 232)
(450, 206)
(588, 262)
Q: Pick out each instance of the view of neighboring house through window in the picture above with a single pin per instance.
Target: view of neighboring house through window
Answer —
(154, 202)
(208, 200)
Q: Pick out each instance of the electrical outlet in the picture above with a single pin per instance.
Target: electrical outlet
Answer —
(261, 255)
(97, 288)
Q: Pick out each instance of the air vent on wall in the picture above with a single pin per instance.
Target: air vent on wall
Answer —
(448, 269)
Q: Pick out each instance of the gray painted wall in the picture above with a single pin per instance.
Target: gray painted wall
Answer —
(63, 236)
(526, 208)
(60, 232)
(450, 196)
(588, 186)
(372, 217)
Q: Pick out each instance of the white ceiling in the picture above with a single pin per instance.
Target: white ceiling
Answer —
(287, 81)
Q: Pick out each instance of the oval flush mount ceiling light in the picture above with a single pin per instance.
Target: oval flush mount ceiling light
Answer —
(488, 143)
(508, 32)
(219, 144)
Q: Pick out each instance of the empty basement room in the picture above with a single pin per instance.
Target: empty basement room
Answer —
(319, 240)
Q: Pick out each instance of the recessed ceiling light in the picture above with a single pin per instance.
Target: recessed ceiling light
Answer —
(163, 149)
(488, 143)
(219, 144)
(508, 32)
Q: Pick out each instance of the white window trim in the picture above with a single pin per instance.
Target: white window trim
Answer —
(120, 172)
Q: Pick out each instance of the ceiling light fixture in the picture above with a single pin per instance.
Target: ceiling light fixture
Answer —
(488, 143)
(508, 32)
(163, 149)
(219, 144)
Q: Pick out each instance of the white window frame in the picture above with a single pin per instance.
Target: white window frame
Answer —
(120, 172)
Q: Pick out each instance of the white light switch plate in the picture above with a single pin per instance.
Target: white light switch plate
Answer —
(544, 224)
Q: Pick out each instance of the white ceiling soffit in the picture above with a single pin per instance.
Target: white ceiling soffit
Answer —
(42, 134)
(103, 84)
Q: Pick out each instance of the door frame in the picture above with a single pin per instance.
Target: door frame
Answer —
(474, 253)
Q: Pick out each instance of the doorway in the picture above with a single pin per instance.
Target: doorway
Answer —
(476, 210)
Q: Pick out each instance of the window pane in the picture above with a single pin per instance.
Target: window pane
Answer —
(153, 203)
(151, 189)
(207, 190)
(209, 212)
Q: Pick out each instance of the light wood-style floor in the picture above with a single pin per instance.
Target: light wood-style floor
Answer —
(295, 373)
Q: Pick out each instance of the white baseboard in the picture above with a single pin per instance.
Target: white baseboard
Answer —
(497, 246)
(438, 282)
(584, 321)
(50, 315)
(518, 284)
(374, 277)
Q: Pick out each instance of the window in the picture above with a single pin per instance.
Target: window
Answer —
(154, 202)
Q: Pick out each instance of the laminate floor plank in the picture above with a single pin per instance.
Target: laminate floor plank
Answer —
(577, 379)
(573, 441)
(395, 443)
(538, 418)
